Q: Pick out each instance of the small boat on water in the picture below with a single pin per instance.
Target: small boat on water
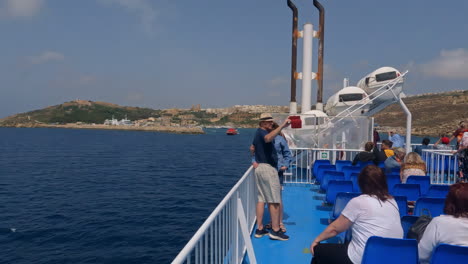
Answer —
(231, 132)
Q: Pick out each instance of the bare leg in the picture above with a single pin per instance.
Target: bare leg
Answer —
(281, 213)
(259, 212)
(275, 214)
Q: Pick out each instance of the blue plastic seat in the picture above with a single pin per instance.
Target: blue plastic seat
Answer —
(341, 163)
(329, 176)
(452, 254)
(348, 170)
(423, 181)
(390, 250)
(354, 179)
(395, 171)
(335, 187)
(381, 165)
(317, 163)
(392, 180)
(402, 203)
(406, 222)
(341, 201)
(438, 191)
(411, 191)
(321, 169)
(362, 164)
(434, 205)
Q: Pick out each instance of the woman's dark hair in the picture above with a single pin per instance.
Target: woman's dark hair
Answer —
(426, 141)
(456, 203)
(372, 181)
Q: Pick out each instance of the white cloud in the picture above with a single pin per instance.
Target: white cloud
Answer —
(46, 56)
(21, 8)
(142, 8)
(450, 64)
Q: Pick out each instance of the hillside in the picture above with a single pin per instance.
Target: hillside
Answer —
(433, 114)
(89, 112)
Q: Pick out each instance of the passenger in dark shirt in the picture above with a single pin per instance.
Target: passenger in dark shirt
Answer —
(424, 145)
(365, 156)
(380, 154)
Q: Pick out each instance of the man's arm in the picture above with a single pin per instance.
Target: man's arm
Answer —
(270, 136)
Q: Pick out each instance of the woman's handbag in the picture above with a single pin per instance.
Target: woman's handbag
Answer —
(416, 231)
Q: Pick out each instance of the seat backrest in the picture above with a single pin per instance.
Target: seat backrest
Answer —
(434, 205)
(406, 222)
(423, 181)
(452, 254)
(381, 165)
(438, 191)
(390, 250)
(354, 179)
(335, 187)
(341, 201)
(395, 170)
(392, 180)
(402, 203)
(411, 191)
(317, 163)
(341, 163)
(348, 170)
(321, 169)
(330, 175)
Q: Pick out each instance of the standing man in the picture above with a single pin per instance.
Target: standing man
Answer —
(396, 139)
(266, 176)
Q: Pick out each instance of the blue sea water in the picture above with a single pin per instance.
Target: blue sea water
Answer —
(104, 196)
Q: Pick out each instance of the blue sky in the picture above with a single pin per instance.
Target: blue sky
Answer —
(217, 53)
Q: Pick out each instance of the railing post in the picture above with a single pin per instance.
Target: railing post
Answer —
(245, 232)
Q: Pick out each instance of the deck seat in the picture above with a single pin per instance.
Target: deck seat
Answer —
(321, 169)
(341, 201)
(434, 205)
(381, 165)
(335, 187)
(392, 180)
(317, 163)
(411, 191)
(341, 163)
(423, 181)
(452, 254)
(330, 175)
(348, 170)
(438, 191)
(395, 171)
(402, 203)
(354, 179)
(362, 164)
(406, 222)
(390, 250)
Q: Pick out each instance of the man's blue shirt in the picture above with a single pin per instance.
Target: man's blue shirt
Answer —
(264, 152)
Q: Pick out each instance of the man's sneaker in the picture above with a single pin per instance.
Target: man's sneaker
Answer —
(278, 235)
(259, 233)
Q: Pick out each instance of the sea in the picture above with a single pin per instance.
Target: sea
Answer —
(109, 196)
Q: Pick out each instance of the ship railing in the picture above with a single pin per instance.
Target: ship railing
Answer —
(300, 170)
(441, 165)
(225, 236)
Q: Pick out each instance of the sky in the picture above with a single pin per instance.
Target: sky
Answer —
(217, 53)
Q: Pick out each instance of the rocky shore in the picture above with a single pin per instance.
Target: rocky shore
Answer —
(164, 129)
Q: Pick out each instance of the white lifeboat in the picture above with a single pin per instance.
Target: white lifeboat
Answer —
(351, 98)
(379, 78)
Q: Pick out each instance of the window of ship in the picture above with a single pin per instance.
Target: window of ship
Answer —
(385, 76)
(351, 97)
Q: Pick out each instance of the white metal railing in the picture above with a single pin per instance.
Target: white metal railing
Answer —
(441, 165)
(300, 170)
(225, 236)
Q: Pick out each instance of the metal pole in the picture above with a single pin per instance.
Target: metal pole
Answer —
(408, 124)
(295, 35)
(320, 54)
(307, 68)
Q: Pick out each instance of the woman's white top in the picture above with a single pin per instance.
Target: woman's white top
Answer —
(371, 217)
(444, 229)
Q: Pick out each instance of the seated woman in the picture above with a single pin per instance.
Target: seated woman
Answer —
(450, 228)
(365, 156)
(374, 213)
(413, 165)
